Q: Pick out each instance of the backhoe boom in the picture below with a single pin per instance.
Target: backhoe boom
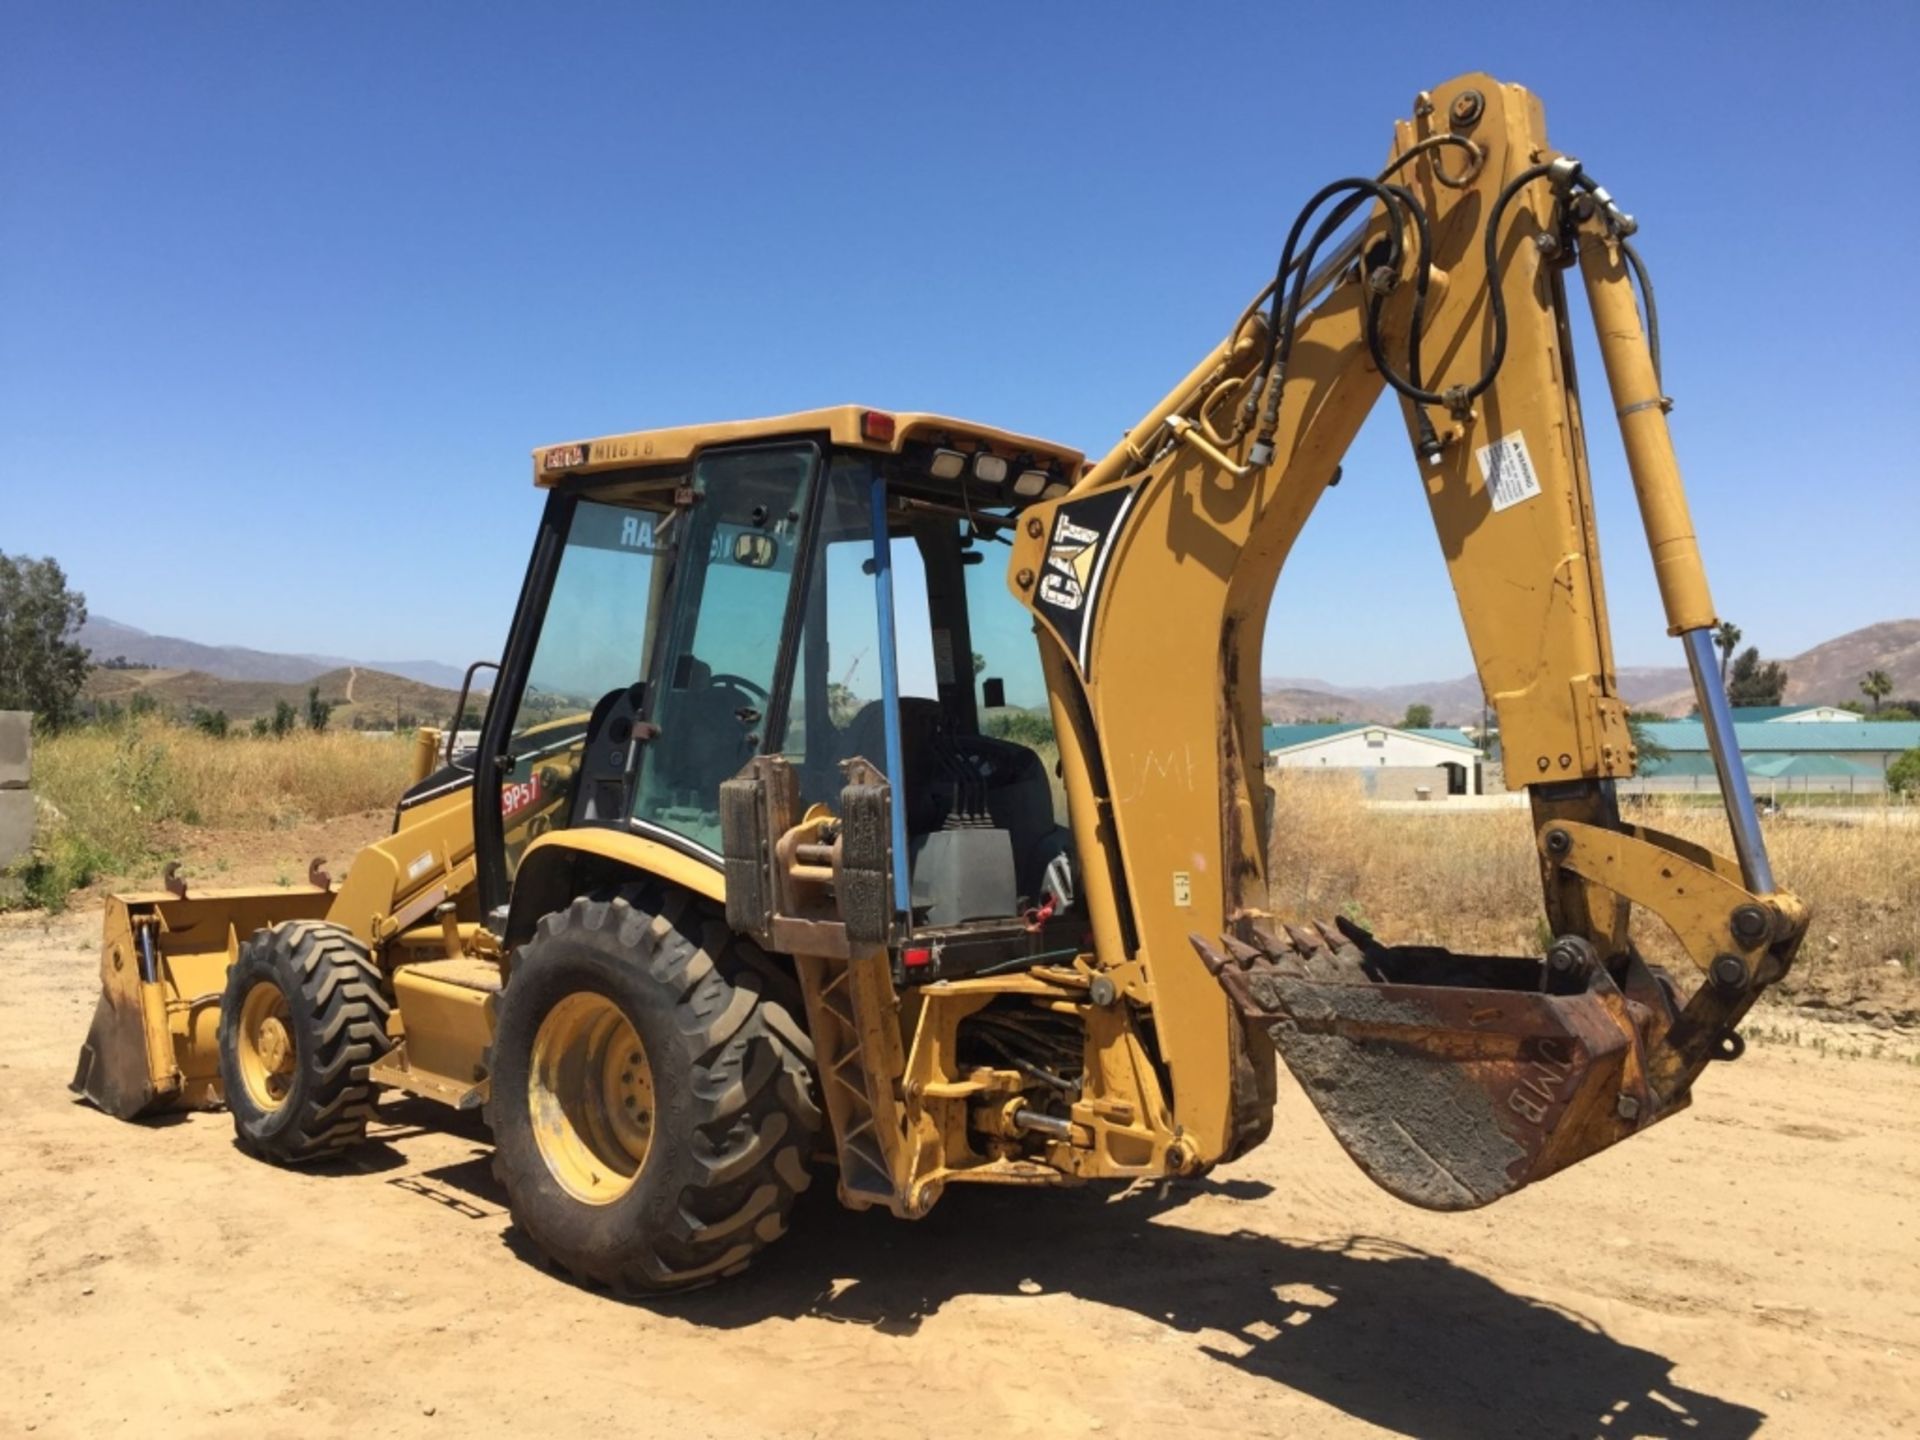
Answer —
(1193, 516)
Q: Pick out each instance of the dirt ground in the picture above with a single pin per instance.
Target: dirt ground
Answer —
(1752, 1267)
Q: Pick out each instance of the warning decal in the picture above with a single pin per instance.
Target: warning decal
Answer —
(1508, 471)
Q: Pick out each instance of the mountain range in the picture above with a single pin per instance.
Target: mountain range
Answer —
(110, 639)
(360, 698)
(1829, 673)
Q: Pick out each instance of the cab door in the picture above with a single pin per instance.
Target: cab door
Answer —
(581, 637)
(645, 649)
(715, 702)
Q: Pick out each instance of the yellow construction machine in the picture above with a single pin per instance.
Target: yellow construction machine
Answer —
(886, 790)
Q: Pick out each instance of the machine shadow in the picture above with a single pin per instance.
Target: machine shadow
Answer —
(1393, 1335)
(393, 1124)
(1396, 1336)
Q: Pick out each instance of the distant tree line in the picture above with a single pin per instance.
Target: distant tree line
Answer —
(42, 668)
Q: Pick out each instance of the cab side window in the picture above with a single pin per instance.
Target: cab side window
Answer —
(834, 712)
(588, 646)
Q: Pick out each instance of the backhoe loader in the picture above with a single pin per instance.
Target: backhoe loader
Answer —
(884, 791)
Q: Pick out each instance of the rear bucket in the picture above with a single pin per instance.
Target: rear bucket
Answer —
(1453, 1080)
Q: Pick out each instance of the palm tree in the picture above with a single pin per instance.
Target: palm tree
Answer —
(1876, 687)
(1726, 636)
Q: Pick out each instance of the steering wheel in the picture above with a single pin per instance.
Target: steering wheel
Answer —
(739, 682)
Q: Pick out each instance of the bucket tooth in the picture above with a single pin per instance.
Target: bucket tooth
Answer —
(1452, 1080)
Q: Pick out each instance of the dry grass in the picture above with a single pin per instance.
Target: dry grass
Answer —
(121, 796)
(1468, 880)
(117, 795)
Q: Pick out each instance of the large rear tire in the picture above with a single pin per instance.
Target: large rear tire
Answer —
(652, 1097)
(302, 1022)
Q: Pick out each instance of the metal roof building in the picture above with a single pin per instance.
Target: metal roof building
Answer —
(1766, 767)
(1831, 755)
(1859, 738)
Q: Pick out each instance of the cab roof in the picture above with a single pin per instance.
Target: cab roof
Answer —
(856, 426)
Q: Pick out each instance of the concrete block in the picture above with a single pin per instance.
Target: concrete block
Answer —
(16, 825)
(16, 749)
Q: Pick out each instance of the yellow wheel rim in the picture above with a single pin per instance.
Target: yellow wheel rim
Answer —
(590, 1093)
(265, 1046)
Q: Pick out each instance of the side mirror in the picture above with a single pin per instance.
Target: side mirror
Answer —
(460, 705)
(993, 693)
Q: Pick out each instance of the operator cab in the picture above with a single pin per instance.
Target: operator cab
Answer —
(702, 597)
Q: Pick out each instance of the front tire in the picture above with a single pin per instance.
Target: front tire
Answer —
(652, 1097)
(302, 1022)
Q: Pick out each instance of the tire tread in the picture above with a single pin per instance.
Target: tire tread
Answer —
(754, 1116)
(340, 988)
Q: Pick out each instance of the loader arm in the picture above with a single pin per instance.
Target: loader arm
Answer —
(1151, 580)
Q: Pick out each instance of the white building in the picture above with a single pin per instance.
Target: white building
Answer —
(1793, 714)
(1392, 763)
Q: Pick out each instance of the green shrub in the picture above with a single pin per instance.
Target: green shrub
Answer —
(65, 863)
(1903, 776)
(1023, 727)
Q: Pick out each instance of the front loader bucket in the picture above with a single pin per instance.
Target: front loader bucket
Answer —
(1454, 1080)
(116, 1065)
(154, 1042)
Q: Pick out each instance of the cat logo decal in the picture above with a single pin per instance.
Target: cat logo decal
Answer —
(1070, 560)
(1083, 536)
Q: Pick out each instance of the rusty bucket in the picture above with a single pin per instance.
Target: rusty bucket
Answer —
(1454, 1080)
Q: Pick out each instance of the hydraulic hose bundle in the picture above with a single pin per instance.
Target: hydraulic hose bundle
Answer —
(1286, 296)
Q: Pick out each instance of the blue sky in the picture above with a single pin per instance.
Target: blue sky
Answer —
(287, 293)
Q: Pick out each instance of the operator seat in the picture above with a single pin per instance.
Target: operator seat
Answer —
(921, 722)
(938, 763)
(702, 741)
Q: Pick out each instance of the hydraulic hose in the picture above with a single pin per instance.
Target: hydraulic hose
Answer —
(1404, 211)
(1645, 281)
(1287, 302)
(1496, 308)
